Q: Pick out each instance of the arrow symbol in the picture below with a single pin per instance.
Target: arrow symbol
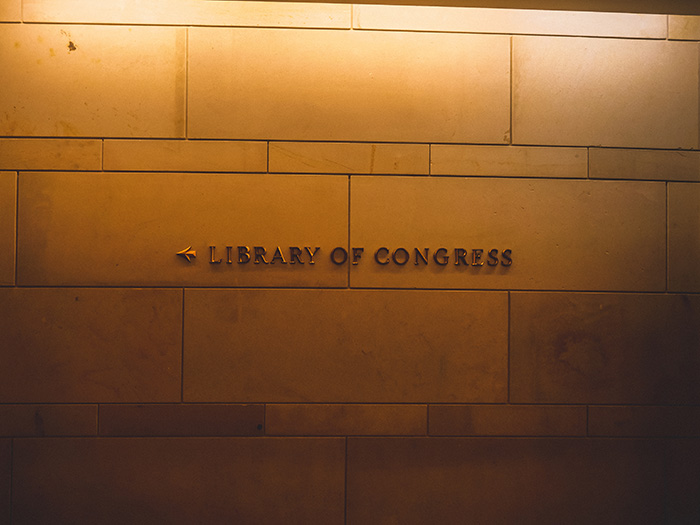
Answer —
(188, 253)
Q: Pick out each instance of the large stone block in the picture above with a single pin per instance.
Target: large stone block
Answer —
(528, 481)
(508, 161)
(507, 420)
(181, 155)
(186, 480)
(181, 420)
(8, 215)
(48, 420)
(616, 163)
(125, 229)
(514, 21)
(684, 237)
(92, 81)
(343, 157)
(657, 421)
(77, 345)
(346, 346)
(570, 235)
(189, 12)
(348, 86)
(50, 154)
(604, 348)
(343, 420)
(605, 92)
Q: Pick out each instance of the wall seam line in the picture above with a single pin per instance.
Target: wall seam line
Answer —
(508, 350)
(12, 474)
(345, 487)
(668, 277)
(16, 227)
(510, 78)
(349, 240)
(182, 350)
(187, 83)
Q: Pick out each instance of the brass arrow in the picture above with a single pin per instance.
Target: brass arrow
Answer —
(188, 253)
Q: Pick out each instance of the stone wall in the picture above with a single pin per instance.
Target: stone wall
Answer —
(446, 264)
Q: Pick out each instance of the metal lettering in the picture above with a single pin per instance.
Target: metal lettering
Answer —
(493, 257)
(376, 256)
(311, 253)
(441, 259)
(508, 260)
(243, 254)
(476, 257)
(404, 258)
(295, 255)
(356, 254)
(259, 253)
(212, 255)
(278, 257)
(344, 255)
(461, 257)
(423, 255)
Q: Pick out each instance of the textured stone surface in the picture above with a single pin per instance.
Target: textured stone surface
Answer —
(87, 81)
(125, 229)
(683, 237)
(162, 480)
(76, 345)
(533, 481)
(329, 420)
(336, 86)
(504, 161)
(604, 348)
(605, 92)
(48, 420)
(506, 420)
(672, 421)
(344, 346)
(564, 234)
(178, 155)
(684, 27)
(190, 12)
(182, 420)
(11, 11)
(8, 214)
(50, 154)
(614, 163)
(319, 157)
(515, 21)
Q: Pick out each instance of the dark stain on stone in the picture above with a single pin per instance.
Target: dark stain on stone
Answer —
(38, 424)
(71, 46)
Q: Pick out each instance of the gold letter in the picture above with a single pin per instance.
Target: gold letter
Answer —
(344, 255)
(476, 257)
(376, 255)
(444, 258)
(311, 253)
(356, 254)
(420, 254)
(404, 258)
(243, 254)
(212, 255)
(295, 255)
(259, 252)
(229, 249)
(278, 256)
(460, 256)
(506, 255)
